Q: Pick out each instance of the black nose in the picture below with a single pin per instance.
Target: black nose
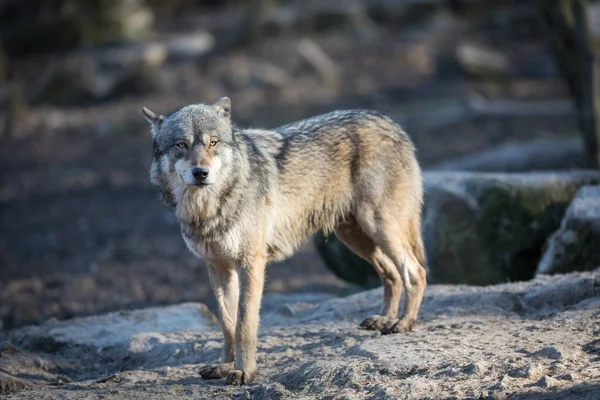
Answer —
(200, 173)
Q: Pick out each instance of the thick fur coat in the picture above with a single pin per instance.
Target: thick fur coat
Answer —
(244, 197)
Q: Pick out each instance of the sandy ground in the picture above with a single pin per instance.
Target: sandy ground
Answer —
(532, 340)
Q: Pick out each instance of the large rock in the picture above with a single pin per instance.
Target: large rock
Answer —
(576, 245)
(59, 352)
(103, 74)
(344, 263)
(479, 228)
(535, 155)
(113, 334)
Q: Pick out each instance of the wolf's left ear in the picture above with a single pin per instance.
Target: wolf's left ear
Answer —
(154, 119)
(224, 106)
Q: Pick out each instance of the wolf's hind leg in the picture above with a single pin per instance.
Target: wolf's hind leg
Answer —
(405, 247)
(414, 296)
(224, 282)
(355, 238)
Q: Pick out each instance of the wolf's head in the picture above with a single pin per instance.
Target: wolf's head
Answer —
(192, 145)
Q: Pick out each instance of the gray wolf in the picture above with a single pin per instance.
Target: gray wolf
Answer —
(244, 197)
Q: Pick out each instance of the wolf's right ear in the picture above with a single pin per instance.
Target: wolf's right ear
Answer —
(154, 119)
(224, 106)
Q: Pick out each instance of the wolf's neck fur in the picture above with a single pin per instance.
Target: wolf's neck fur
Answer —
(223, 214)
(209, 210)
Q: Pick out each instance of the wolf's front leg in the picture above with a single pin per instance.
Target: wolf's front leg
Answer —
(225, 285)
(252, 276)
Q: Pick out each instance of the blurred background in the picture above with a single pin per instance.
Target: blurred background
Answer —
(490, 85)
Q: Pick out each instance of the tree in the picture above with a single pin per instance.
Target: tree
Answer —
(574, 49)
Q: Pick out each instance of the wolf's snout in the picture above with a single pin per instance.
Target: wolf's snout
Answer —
(200, 173)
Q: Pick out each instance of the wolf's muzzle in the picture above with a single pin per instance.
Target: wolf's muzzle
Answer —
(200, 174)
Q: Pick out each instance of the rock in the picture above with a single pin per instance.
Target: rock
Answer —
(557, 353)
(530, 371)
(103, 74)
(490, 228)
(130, 19)
(574, 246)
(478, 228)
(275, 301)
(153, 349)
(190, 46)
(344, 263)
(116, 71)
(478, 60)
(477, 368)
(453, 301)
(136, 79)
(589, 304)
(112, 332)
(564, 292)
(64, 86)
(569, 376)
(537, 155)
(275, 307)
(546, 382)
(10, 384)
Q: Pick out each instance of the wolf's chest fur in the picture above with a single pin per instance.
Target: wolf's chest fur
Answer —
(270, 221)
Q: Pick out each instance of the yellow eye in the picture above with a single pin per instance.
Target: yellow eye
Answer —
(181, 145)
(213, 143)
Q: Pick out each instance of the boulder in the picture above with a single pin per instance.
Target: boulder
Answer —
(103, 74)
(575, 246)
(481, 61)
(113, 334)
(478, 228)
(535, 155)
(344, 263)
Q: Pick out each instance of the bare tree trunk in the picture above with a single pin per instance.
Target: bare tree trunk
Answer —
(567, 23)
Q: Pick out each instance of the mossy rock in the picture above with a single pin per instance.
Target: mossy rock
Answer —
(491, 228)
(479, 228)
(344, 263)
(575, 246)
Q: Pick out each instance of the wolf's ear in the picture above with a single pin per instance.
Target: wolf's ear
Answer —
(224, 106)
(154, 119)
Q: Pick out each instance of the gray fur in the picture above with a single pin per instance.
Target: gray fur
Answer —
(351, 172)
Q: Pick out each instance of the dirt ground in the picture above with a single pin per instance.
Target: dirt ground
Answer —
(528, 340)
(82, 231)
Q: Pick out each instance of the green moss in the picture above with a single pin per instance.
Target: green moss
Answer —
(210, 317)
(515, 222)
(458, 257)
(579, 255)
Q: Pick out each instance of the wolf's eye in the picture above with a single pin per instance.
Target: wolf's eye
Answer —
(213, 143)
(181, 145)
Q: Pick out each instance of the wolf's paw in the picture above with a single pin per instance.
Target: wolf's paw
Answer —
(215, 371)
(400, 326)
(375, 322)
(237, 377)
